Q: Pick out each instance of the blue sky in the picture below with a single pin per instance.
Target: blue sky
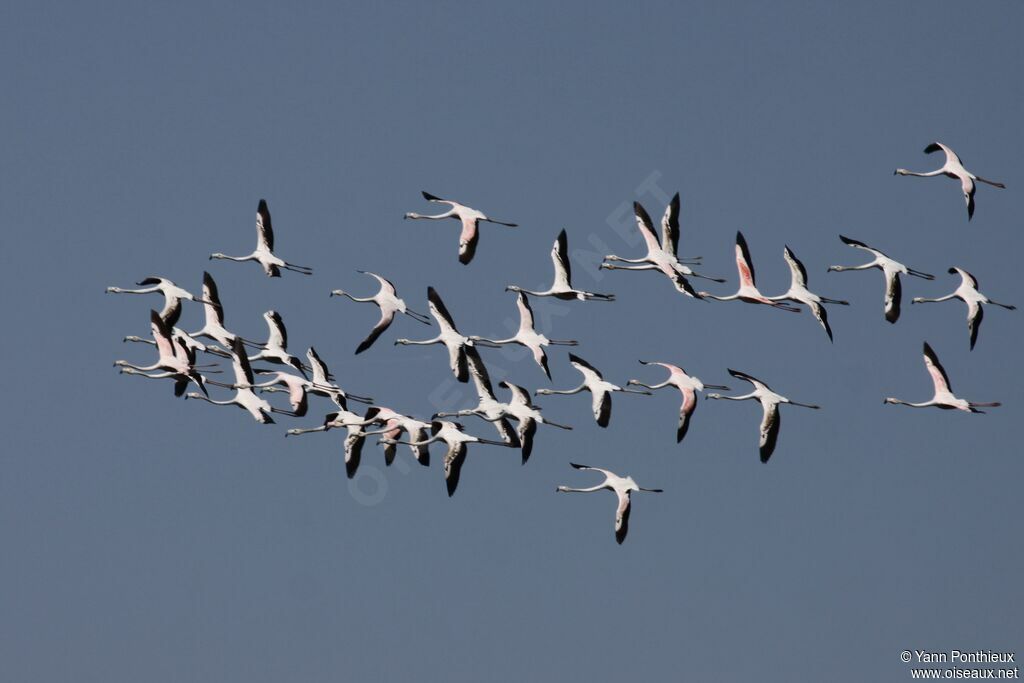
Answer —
(155, 539)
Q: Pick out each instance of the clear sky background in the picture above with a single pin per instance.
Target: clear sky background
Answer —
(148, 538)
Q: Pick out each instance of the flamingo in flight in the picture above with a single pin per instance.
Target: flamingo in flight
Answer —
(389, 304)
(528, 336)
(488, 407)
(454, 436)
(394, 424)
(770, 402)
(600, 390)
(891, 269)
(748, 291)
(171, 312)
(969, 294)
(321, 385)
(943, 397)
(953, 168)
(662, 256)
(176, 360)
(798, 292)
(213, 327)
(264, 254)
(622, 487)
(562, 287)
(470, 219)
(688, 386)
(454, 341)
(355, 437)
(276, 348)
(245, 398)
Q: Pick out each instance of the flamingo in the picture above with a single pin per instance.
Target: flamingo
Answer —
(488, 407)
(770, 402)
(969, 294)
(213, 327)
(171, 312)
(622, 487)
(661, 257)
(529, 337)
(953, 168)
(354, 438)
(276, 348)
(321, 385)
(454, 341)
(562, 287)
(522, 409)
(470, 218)
(389, 304)
(688, 386)
(394, 424)
(943, 397)
(453, 434)
(890, 269)
(175, 357)
(244, 397)
(799, 293)
(748, 291)
(600, 390)
(264, 254)
(176, 360)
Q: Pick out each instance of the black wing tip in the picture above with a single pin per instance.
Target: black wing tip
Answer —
(928, 349)
(578, 466)
(933, 147)
(429, 197)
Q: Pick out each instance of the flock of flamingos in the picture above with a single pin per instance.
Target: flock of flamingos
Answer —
(177, 351)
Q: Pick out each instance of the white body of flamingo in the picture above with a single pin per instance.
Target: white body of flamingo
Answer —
(562, 287)
(953, 168)
(969, 294)
(175, 360)
(661, 256)
(264, 253)
(457, 441)
(528, 336)
(354, 437)
(622, 487)
(799, 293)
(600, 390)
(389, 304)
(470, 219)
(688, 387)
(943, 397)
(770, 418)
(488, 406)
(276, 348)
(244, 397)
(891, 270)
(748, 291)
(453, 340)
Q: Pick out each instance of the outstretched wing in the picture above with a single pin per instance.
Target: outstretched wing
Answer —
(601, 403)
(468, 239)
(975, 313)
(685, 411)
(749, 378)
(744, 264)
(670, 226)
(385, 321)
(770, 421)
(796, 268)
(935, 369)
(453, 461)
(893, 295)
(622, 516)
(264, 229)
(560, 259)
(646, 228)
